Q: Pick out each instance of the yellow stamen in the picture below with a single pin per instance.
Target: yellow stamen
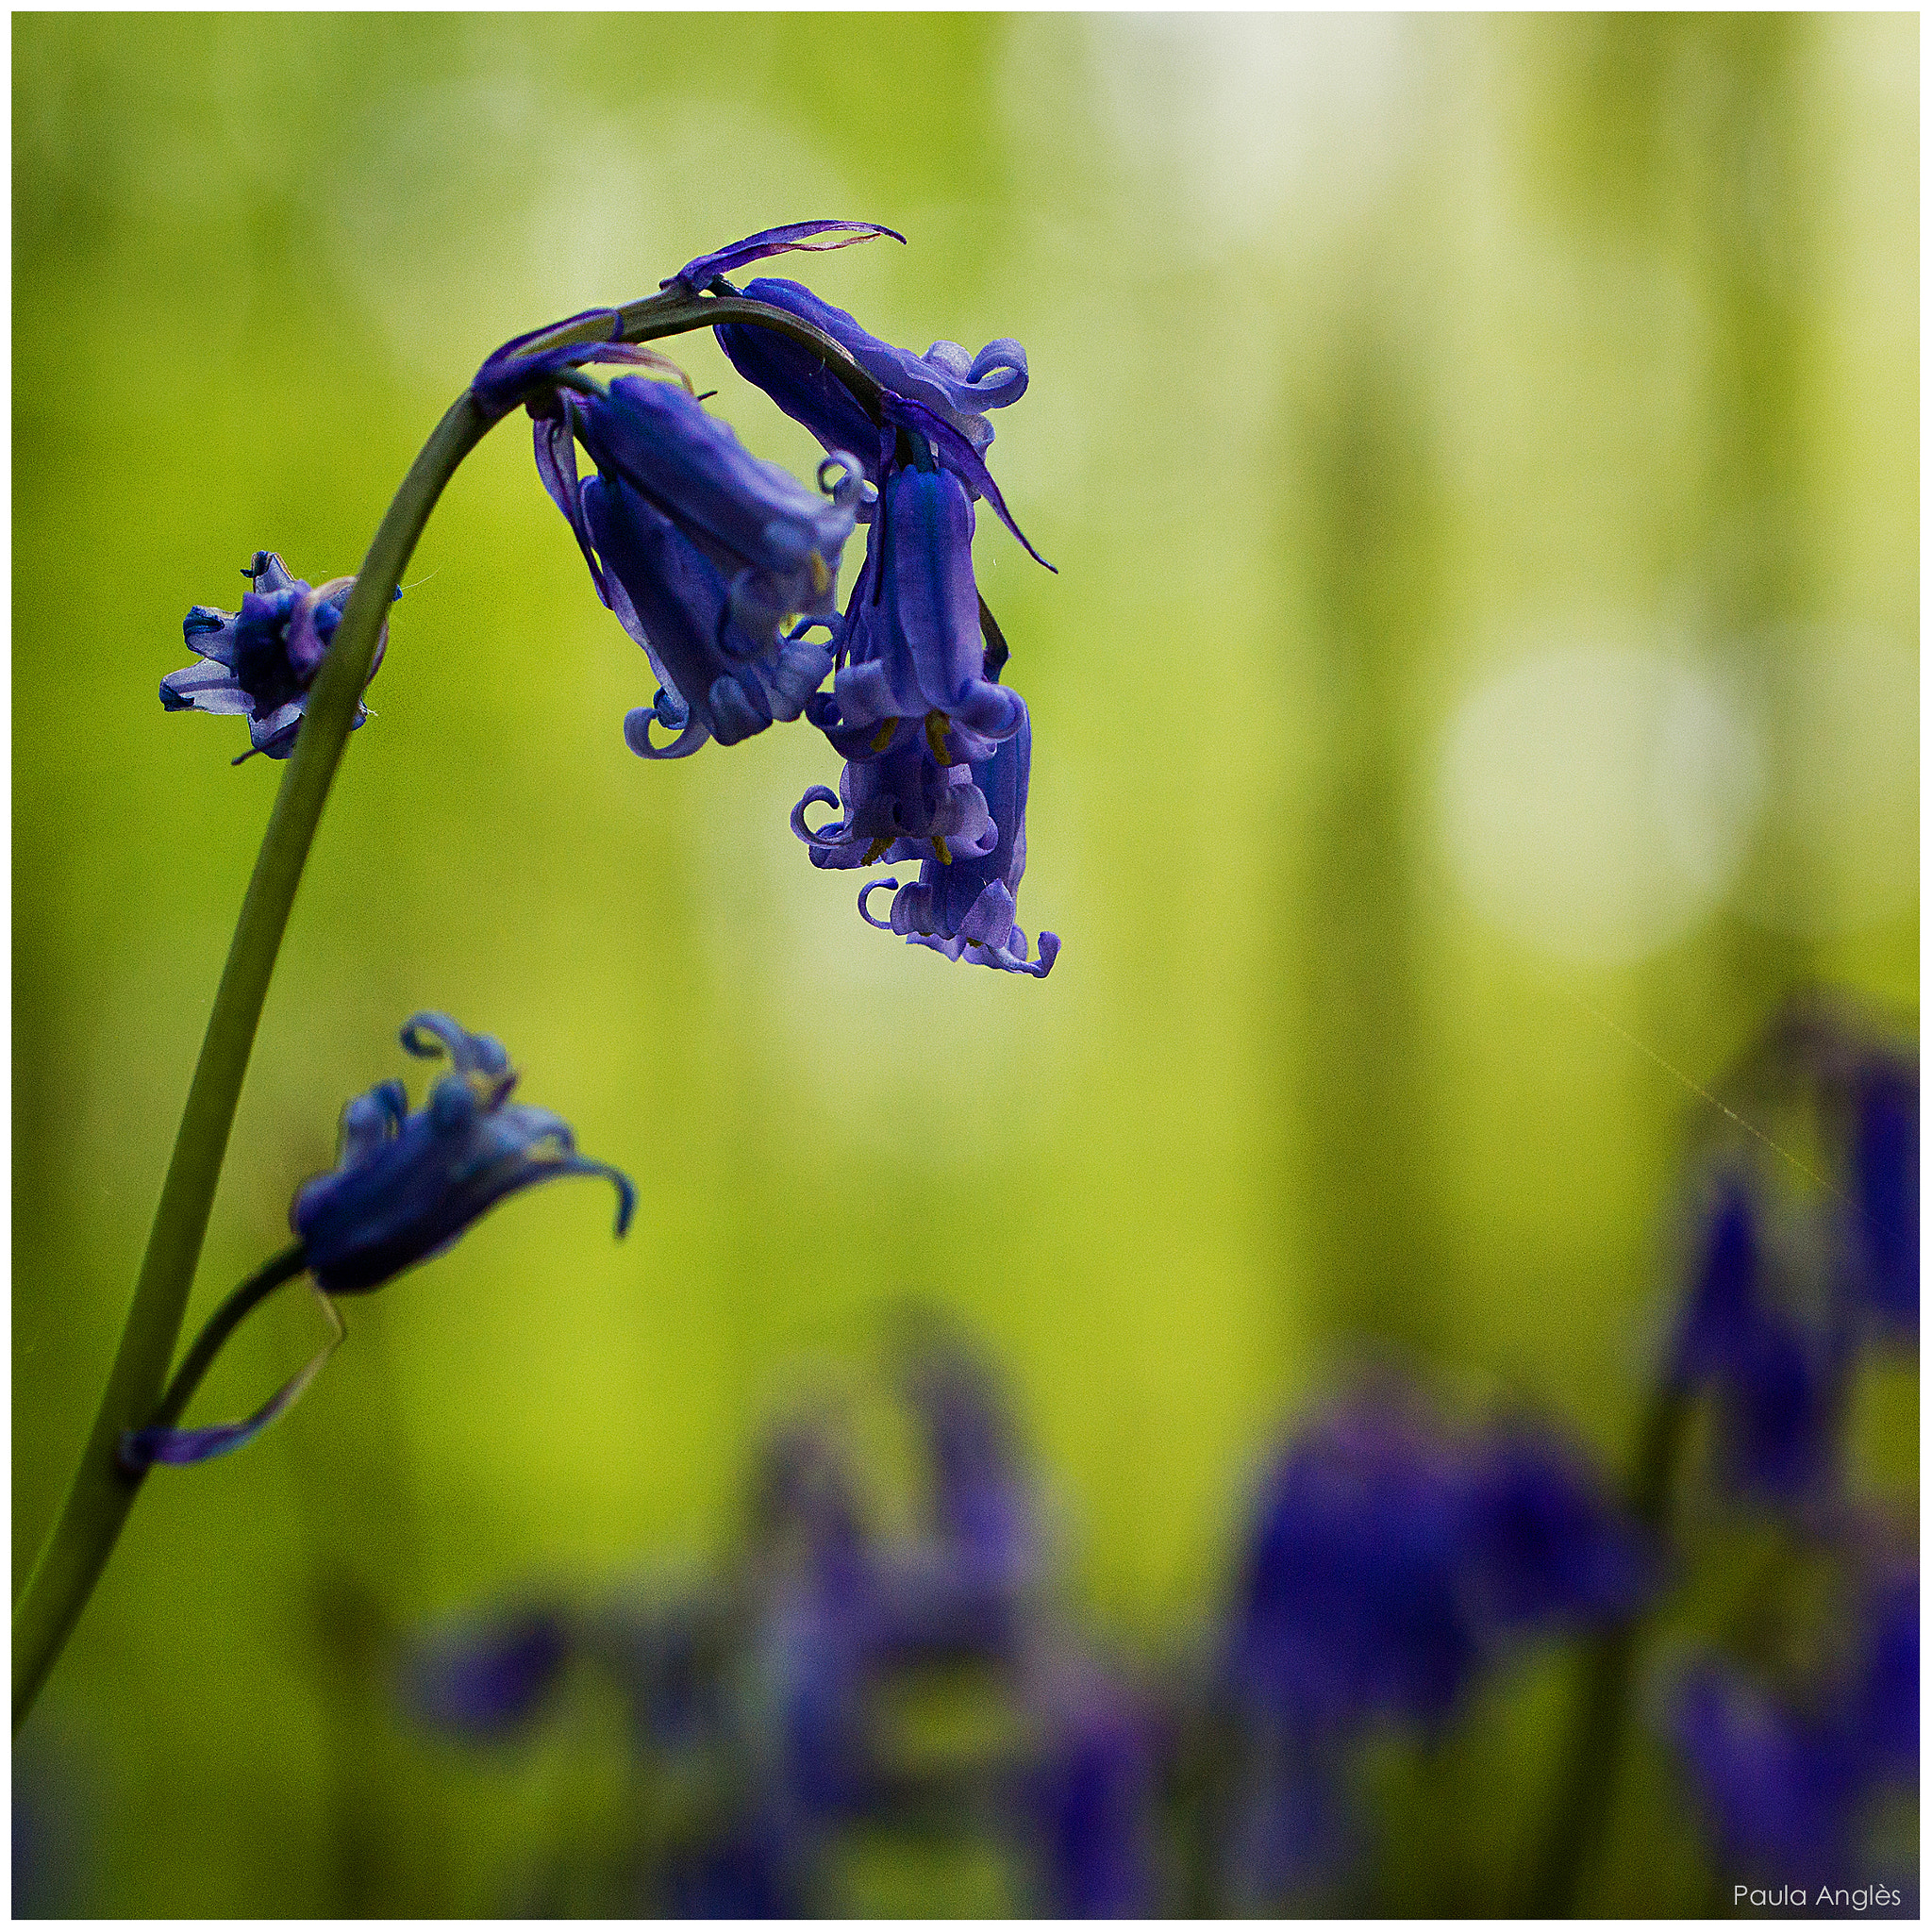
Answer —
(936, 736)
(883, 735)
(821, 576)
(939, 845)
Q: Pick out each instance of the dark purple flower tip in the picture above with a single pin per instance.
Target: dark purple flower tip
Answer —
(488, 1680)
(1885, 1189)
(699, 273)
(409, 1184)
(1547, 1545)
(1722, 1310)
(514, 374)
(1777, 1410)
(260, 661)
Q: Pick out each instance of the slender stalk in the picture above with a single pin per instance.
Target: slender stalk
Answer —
(1587, 1779)
(101, 1493)
(215, 1331)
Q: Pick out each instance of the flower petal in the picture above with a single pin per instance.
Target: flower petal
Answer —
(700, 273)
(141, 1448)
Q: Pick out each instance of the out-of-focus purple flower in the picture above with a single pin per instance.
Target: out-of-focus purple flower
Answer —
(1547, 1543)
(748, 1869)
(487, 1680)
(1350, 1603)
(1773, 1369)
(1786, 1779)
(965, 908)
(1885, 1188)
(409, 1184)
(1390, 1560)
(1722, 1311)
(259, 662)
(1089, 1800)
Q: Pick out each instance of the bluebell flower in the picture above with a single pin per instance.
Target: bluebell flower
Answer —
(409, 1184)
(1547, 1543)
(1722, 1308)
(260, 662)
(965, 907)
(1788, 1774)
(1088, 1802)
(902, 804)
(1775, 1367)
(1884, 1163)
(714, 562)
(1350, 1603)
(1388, 1562)
(950, 380)
(489, 1679)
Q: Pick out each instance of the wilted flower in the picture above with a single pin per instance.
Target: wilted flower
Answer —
(259, 662)
(409, 1184)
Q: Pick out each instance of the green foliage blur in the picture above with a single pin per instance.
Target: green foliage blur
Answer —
(1480, 456)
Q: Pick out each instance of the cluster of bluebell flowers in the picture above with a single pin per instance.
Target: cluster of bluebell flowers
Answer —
(405, 1186)
(258, 663)
(722, 566)
(772, 1704)
(1798, 1736)
(1390, 1561)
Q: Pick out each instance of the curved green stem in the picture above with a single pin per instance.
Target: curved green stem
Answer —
(101, 1492)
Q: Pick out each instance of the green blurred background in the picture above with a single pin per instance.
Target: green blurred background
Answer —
(1481, 462)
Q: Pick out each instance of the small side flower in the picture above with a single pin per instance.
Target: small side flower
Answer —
(259, 662)
(409, 1184)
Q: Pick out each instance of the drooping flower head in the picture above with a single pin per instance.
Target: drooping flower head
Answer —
(965, 908)
(407, 1184)
(714, 561)
(260, 662)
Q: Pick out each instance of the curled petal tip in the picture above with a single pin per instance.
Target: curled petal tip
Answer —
(866, 891)
(626, 1201)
